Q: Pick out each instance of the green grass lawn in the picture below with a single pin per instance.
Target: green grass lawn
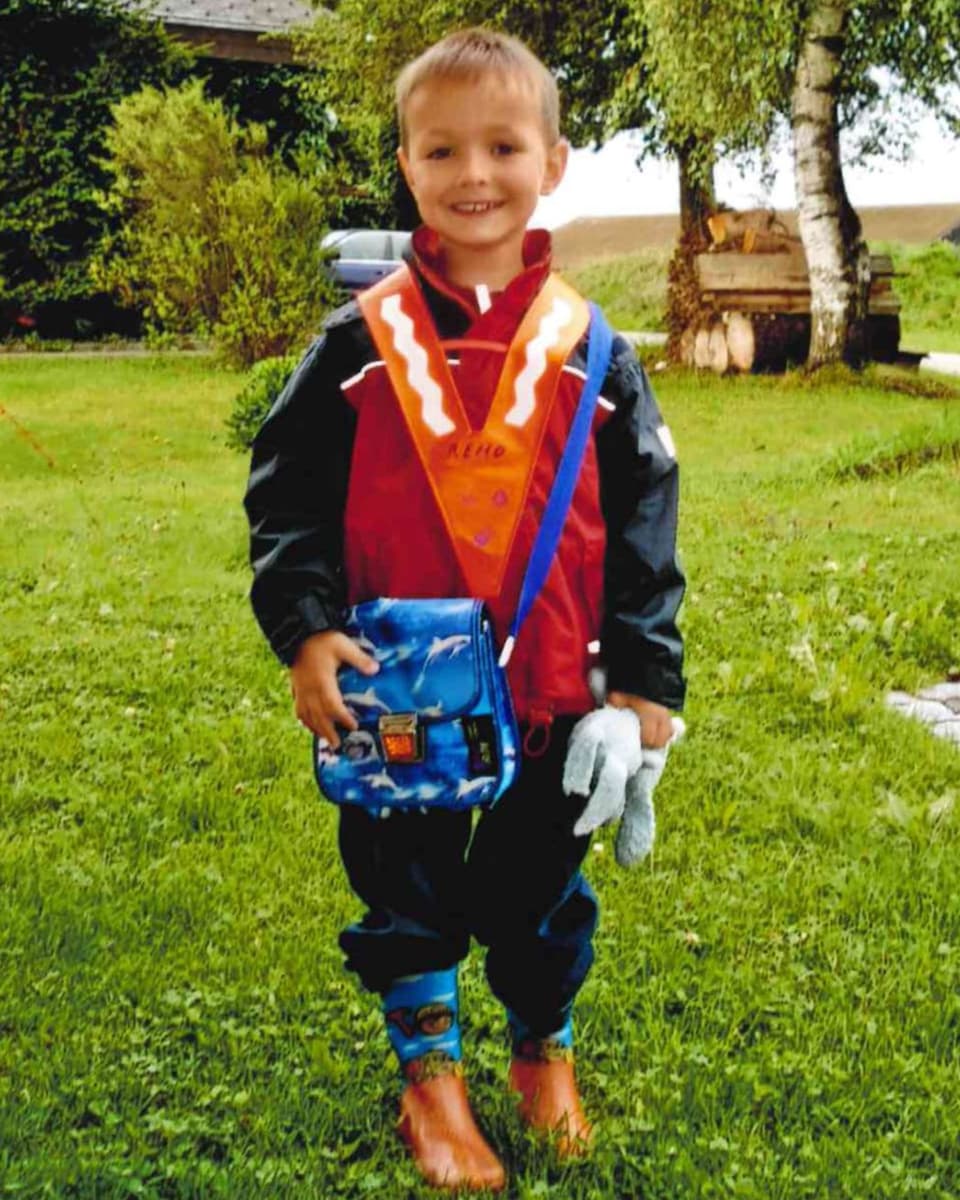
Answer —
(928, 284)
(775, 1008)
(631, 289)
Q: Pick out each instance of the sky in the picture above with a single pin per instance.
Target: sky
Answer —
(608, 182)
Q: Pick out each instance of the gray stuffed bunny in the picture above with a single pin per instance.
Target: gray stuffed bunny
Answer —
(607, 763)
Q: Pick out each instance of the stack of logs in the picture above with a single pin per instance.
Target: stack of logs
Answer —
(755, 300)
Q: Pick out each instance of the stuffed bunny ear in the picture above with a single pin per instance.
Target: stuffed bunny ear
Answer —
(606, 799)
(583, 752)
(638, 826)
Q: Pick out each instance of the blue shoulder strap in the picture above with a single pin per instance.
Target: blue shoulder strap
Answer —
(558, 504)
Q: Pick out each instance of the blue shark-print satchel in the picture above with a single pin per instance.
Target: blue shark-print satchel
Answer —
(437, 727)
(436, 723)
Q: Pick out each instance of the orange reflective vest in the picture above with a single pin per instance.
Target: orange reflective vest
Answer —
(480, 478)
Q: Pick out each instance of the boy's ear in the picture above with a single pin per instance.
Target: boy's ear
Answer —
(556, 166)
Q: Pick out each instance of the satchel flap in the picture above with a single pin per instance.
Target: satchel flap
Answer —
(429, 653)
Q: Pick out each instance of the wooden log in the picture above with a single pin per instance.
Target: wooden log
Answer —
(764, 299)
(717, 226)
(701, 348)
(770, 342)
(728, 227)
(757, 242)
(753, 272)
(785, 272)
(717, 353)
(791, 302)
(760, 302)
(886, 304)
(685, 346)
(741, 344)
(766, 341)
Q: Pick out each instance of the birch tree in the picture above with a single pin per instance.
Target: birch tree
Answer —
(837, 81)
(838, 261)
(722, 75)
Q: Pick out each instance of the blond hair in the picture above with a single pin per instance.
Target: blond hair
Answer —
(470, 54)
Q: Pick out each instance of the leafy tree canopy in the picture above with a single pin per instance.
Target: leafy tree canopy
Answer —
(686, 74)
(721, 74)
(277, 96)
(357, 49)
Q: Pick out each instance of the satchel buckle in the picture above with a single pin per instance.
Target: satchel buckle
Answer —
(401, 738)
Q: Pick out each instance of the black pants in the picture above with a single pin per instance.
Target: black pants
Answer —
(515, 885)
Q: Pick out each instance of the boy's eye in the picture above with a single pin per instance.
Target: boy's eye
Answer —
(504, 148)
(439, 152)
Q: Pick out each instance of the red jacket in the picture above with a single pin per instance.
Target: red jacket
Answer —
(340, 509)
(394, 537)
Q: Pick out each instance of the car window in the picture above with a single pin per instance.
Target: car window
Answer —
(365, 243)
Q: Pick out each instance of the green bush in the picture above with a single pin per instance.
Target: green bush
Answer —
(271, 223)
(171, 154)
(63, 63)
(217, 238)
(265, 381)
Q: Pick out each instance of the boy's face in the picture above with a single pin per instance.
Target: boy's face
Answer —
(477, 159)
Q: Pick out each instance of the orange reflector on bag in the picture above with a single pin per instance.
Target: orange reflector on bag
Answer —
(401, 738)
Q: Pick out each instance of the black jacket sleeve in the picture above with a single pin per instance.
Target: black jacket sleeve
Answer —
(296, 495)
(643, 583)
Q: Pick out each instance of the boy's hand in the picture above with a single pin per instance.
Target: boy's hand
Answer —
(313, 682)
(656, 727)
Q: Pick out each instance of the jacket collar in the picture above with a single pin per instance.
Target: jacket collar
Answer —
(428, 260)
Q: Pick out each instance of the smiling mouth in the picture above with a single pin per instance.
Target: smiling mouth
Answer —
(476, 208)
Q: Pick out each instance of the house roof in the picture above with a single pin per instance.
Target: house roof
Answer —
(260, 16)
(232, 28)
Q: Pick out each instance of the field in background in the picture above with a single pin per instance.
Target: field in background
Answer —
(590, 238)
(775, 1010)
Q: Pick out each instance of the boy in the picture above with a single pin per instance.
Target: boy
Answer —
(342, 510)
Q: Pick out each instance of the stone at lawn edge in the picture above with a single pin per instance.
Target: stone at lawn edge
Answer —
(938, 707)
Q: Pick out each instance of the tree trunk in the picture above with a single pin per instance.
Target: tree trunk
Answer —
(697, 199)
(837, 257)
(685, 306)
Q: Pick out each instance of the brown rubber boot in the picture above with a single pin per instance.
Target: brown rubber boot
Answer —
(438, 1126)
(550, 1102)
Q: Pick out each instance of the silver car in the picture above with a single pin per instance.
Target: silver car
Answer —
(362, 256)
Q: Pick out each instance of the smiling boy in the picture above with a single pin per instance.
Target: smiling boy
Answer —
(343, 509)
(478, 151)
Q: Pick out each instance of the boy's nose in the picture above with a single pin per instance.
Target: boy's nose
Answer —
(474, 166)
